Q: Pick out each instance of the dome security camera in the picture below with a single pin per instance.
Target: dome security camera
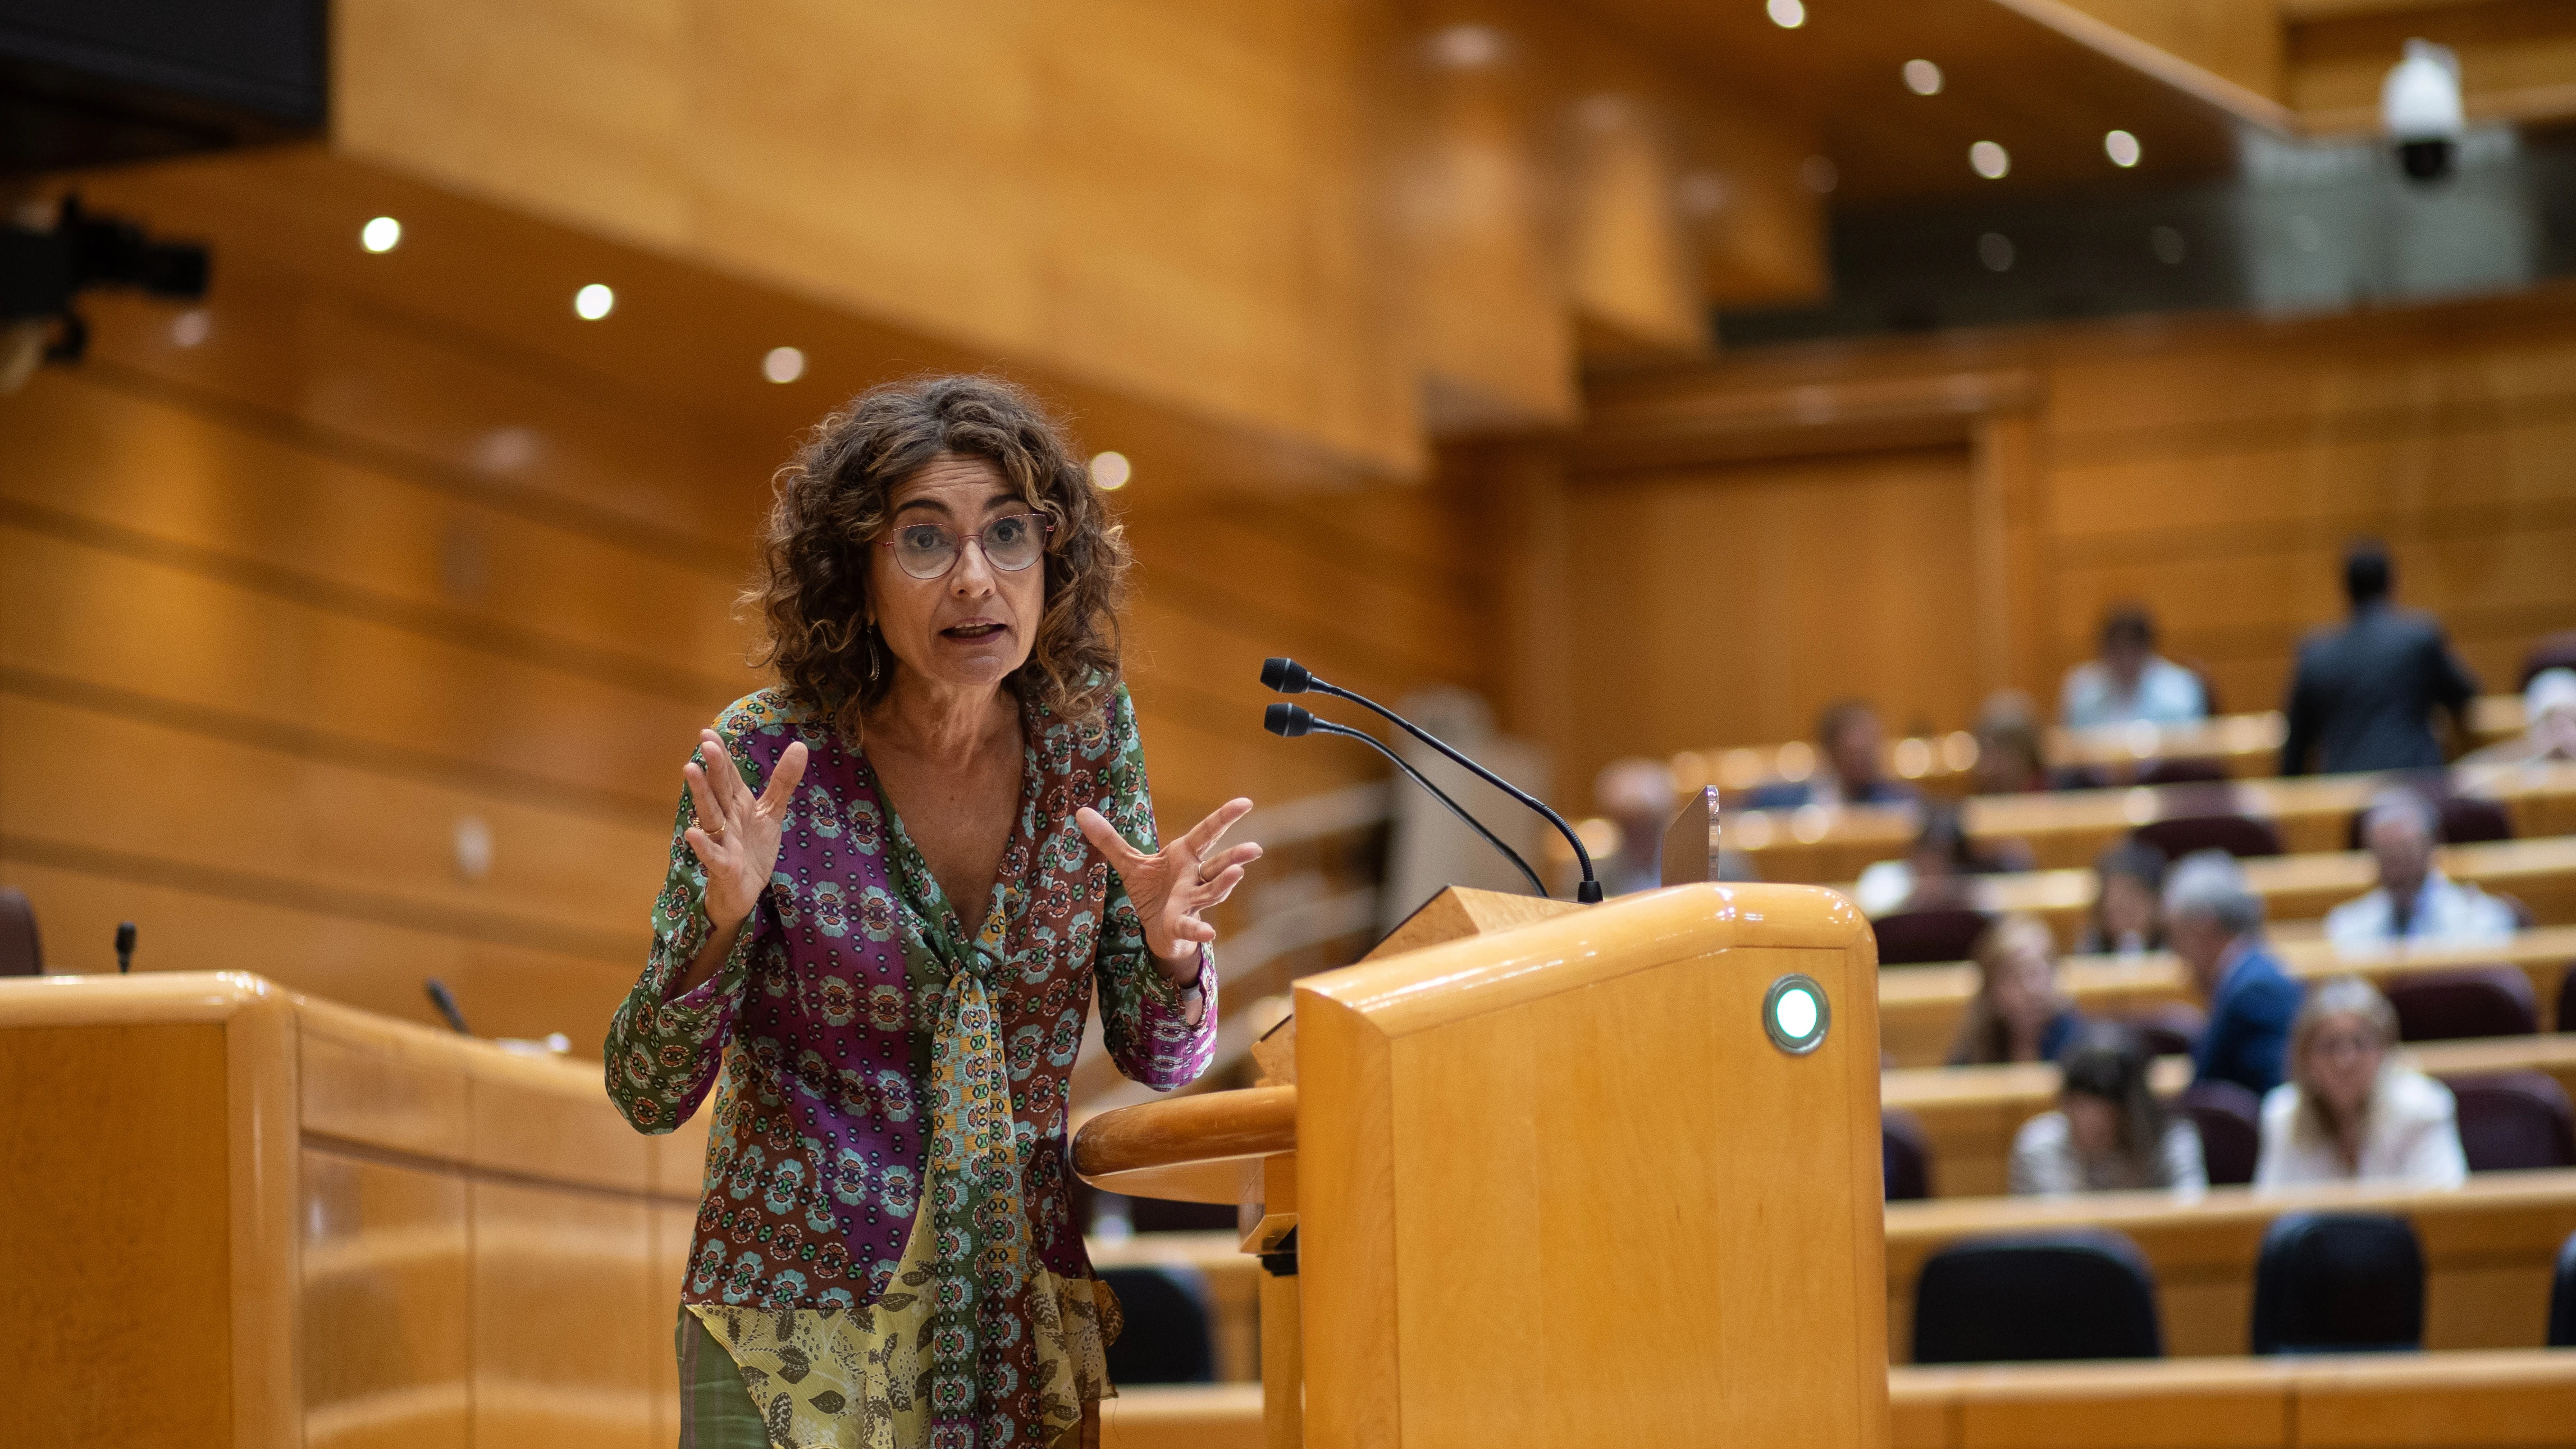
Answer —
(2419, 106)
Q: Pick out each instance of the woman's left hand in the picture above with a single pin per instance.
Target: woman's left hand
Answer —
(1173, 885)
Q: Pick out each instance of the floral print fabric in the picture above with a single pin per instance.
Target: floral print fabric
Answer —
(879, 1064)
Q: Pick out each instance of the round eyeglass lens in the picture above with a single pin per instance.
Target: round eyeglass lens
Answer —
(925, 550)
(1012, 543)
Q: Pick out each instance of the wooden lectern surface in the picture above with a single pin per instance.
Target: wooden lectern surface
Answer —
(1556, 1183)
(279, 1221)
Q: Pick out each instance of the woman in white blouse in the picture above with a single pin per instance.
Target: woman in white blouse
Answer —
(2352, 1112)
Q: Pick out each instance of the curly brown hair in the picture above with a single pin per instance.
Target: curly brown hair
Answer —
(811, 588)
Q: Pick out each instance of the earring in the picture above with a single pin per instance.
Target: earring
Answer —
(871, 638)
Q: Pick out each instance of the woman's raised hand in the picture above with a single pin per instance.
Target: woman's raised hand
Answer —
(736, 837)
(1173, 885)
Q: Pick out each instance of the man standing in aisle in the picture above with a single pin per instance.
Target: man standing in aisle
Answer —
(2364, 694)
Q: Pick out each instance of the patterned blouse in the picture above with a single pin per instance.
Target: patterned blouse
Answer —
(886, 1244)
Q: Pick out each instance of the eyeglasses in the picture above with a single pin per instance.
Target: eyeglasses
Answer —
(1010, 543)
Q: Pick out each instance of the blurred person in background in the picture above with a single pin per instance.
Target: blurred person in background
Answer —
(2108, 1134)
(2548, 731)
(2019, 1013)
(2353, 1110)
(2009, 758)
(2130, 681)
(1852, 769)
(1637, 795)
(2214, 922)
(2127, 918)
(2413, 901)
(2364, 694)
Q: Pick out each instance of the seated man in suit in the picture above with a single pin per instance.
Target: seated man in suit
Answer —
(2364, 694)
(2413, 902)
(2215, 924)
(1851, 772)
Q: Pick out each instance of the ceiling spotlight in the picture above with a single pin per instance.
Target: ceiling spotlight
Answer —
(380, 235)
(1111, 470)
(783, 364)
(192, 327)
(1995, 250)
(2122, 148)
(1787, 14)
(1989, 160)
(2168, 245)
(1819, 174)
(1467, 47)
(593, 302)
(1923, 77)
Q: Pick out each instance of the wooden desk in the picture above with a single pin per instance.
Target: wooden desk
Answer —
(1919, 1007)
(2488, 1247)
(280, 1221)
(1971, 1113)
(2523, 1397)
(2541, 873)
(2247, 745)
(2489, 1399)
(2065, 829)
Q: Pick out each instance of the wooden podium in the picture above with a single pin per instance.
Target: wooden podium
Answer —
(1561, 1175)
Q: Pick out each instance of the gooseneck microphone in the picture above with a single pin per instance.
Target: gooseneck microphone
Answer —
(1287, 721)
(1287, 676)
(445, 1001)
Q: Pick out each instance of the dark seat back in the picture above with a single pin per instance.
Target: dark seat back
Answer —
(2238, 835)
(2567, 997)
(2184, 770)
(2472, 1001)
(1943, 933)
(2562, 1297)
(2169, 1030)
(1904, 1156)
(2338, 1282)
(2465, 819)
(2069, 1295)
(2230, 1119)
(1166, 1338)
(2514, 1120)
(22, 951)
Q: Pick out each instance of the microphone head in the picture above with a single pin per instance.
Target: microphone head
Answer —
(1287, 676)
(125, 938)
(1286, 720)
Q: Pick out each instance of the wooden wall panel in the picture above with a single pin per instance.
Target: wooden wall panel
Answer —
(2213, 470)
(1735, 602)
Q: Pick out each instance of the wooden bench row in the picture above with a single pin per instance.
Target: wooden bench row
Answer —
(2508, 1399)
(1969, 1114)
(1920, 1007)
(2067, 828)
(2540, 873)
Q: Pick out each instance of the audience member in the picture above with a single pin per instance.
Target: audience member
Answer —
(2009, 760)
(2130, 681)
(2018, 1014)
(2108, 1134)
(1637, 794)
(1851, 772)
(2351, 1110)
(2364, 694)
(1939, 862)
(2413, 901)
(2215, 924)
(2548, 732)
(2127, 917)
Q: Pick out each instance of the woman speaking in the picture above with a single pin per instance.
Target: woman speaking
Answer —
(897, 878)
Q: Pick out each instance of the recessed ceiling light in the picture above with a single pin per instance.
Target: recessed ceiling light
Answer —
(1923, 77)
(2168, 245)
(1989, 160)
(2121, 147)
(1111, 470)
(380, 235)
(593, 302)
(1787, 14)
(1467, 47)
(1995, 250)
(192, 327)
(1819, 173)
(783, 364)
